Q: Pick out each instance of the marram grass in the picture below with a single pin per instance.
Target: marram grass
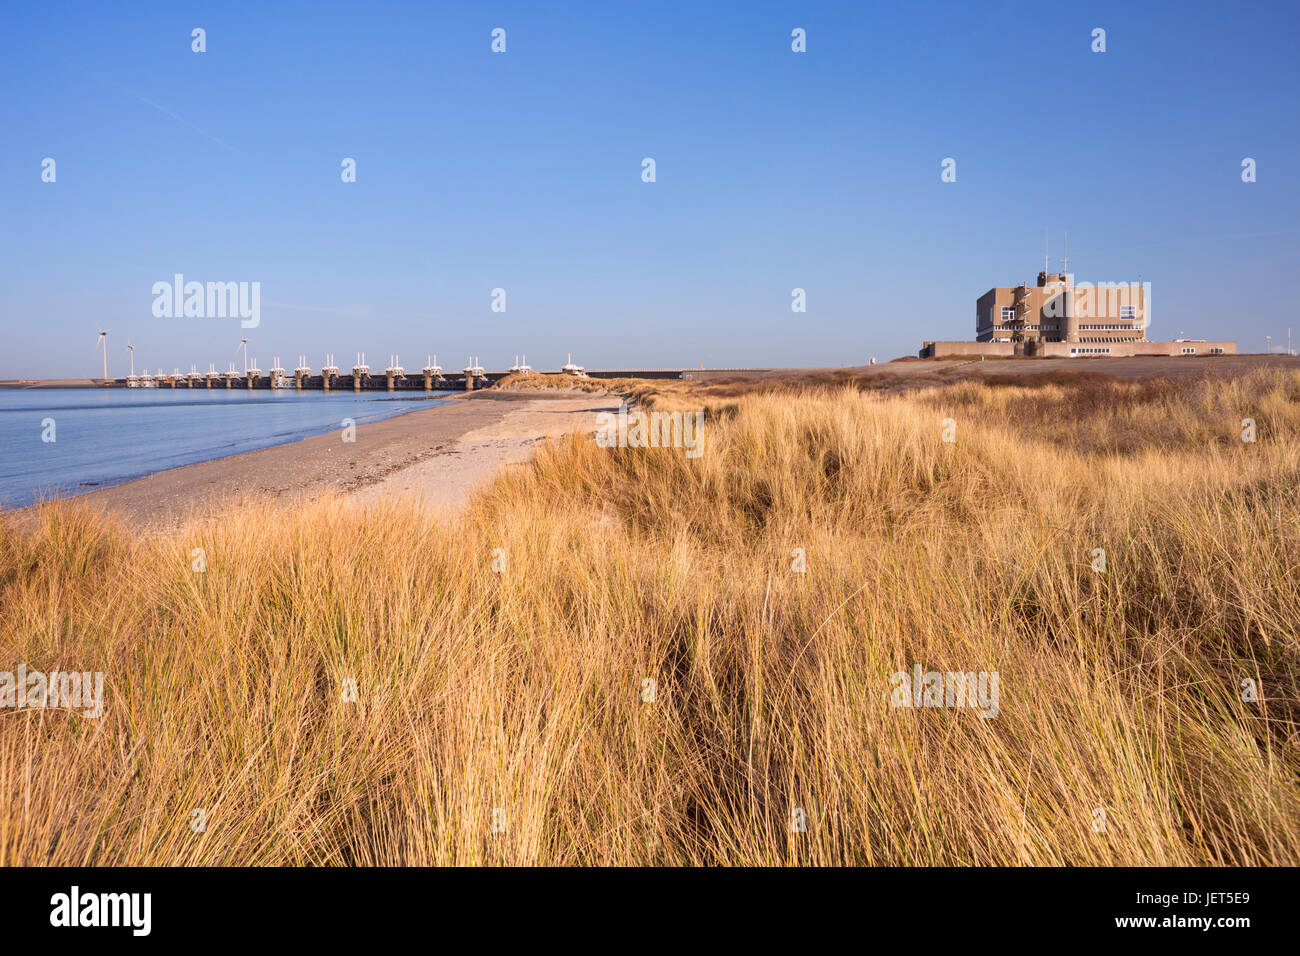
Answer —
(501, 659)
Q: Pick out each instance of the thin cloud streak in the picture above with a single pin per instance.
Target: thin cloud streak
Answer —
(159, 107)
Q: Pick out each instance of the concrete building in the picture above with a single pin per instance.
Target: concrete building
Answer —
(1057, 318)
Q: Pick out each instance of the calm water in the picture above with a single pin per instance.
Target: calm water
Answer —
(106, 436)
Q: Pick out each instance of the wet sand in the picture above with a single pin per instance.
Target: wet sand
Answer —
(436, 455)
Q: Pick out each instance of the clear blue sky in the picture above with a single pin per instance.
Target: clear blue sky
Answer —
(775, 170)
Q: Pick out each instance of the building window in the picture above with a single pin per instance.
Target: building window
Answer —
(1128, 312)
(1008, 313)
(1189, 350)
(1216, 351)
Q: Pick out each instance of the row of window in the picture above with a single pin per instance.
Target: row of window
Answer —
(1102, 350)
(1046, 338)
(1125, 312)
(1056, 328)
(1093, 338)
(1094, 350)
(1009, 315)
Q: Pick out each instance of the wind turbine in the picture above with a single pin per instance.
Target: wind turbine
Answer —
(102, 342)
(131, 348)
(243, 343)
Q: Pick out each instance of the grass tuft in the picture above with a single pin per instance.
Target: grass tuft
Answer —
(519, 689)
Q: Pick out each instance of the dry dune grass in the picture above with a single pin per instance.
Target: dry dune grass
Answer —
(542, 381)
(506, 685)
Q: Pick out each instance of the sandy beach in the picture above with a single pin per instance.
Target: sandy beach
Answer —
(436, 456)
(442, 481)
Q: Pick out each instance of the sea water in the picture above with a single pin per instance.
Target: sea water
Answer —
(104, 436)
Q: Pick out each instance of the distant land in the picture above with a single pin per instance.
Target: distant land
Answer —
(1140, 366)
(55, 383)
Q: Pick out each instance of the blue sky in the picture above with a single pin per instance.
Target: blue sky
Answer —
(522, 171)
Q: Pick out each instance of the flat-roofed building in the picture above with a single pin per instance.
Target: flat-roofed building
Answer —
(1057, 317)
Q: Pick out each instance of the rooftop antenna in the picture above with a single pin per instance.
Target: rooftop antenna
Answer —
(1067, 251)
(1045, 265)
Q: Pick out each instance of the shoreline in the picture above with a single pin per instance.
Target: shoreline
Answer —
(443, 481)
(78, 492)
(435, 456)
